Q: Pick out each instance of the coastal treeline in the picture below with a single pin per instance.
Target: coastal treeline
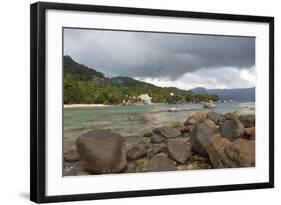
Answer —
(86, 85)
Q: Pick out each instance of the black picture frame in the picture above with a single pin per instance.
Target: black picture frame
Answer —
(38, 103)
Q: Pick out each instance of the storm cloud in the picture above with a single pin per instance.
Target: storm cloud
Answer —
(154, 57)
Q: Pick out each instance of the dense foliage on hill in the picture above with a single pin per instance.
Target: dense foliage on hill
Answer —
(86, 85)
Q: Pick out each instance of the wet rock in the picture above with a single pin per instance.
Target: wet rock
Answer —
(71, 155)
(167, 132)
(248, 120)
(160, 162)
(200, 137)
(136, 152)
(232, 129)
(101, 152)
(156, 148)
(215, 117)
(179, 150)
(157, 138)
(195, 118)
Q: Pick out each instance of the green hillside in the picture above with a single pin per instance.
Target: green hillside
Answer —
(86, 85)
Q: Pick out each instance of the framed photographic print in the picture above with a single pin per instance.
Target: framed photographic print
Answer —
(129, 102)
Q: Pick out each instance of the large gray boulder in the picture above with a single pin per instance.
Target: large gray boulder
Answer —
(215, 117)
(201, 135)
(101, 152)
(179, 150)
(248, 120)
(160, 162)
(232, 129)
(167, 132)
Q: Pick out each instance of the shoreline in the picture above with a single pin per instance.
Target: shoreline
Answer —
(101, 105)
(84, 105)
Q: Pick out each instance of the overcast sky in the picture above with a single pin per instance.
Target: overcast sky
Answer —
(182, 60)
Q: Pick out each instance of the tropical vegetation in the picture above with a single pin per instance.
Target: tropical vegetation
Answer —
(86, 85)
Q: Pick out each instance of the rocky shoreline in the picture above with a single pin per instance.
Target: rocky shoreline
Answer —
(203, 141)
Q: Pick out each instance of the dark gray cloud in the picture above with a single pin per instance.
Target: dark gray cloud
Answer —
(157, 55)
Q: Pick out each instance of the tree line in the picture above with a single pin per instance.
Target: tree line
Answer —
(77, 91)
(88, 86)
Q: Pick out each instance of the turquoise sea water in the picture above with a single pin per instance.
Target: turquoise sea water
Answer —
(138, 119)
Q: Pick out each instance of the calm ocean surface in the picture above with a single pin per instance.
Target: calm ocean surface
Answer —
(138, 119)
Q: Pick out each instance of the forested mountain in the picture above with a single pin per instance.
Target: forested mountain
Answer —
(80, 72)
(86, 85)
(239, 94)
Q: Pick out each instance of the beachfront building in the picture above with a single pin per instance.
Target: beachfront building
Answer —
(145, 98)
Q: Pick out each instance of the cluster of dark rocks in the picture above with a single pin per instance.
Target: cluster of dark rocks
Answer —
(208, 141)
